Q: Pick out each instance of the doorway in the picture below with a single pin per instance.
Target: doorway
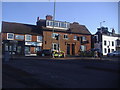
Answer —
(73, 49)
(68, 49)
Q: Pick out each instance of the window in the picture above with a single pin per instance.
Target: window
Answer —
(56, 24)
(10, 36)
(27, 37)
(83, 48)
(105, 50)
(105, 43)
(112, 50)
(55, 35)
(75, 37)
(83, 38)
(108, 43)
(6, 47)
(109, 50)
(65, 36)
(21, 37)
(39, 38)
(55, 46)
(112, 43)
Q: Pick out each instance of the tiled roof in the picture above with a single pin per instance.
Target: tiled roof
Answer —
(9, 27)
(77, 28)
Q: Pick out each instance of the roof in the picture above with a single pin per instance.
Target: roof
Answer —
(77, 28)
(10, 27)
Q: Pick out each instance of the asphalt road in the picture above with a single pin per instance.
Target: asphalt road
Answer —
(48, 73)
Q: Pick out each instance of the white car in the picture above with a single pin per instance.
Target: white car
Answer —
(114, 54)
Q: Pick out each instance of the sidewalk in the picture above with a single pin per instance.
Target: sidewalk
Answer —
(66, 58)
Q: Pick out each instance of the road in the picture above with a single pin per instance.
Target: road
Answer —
(51, 73)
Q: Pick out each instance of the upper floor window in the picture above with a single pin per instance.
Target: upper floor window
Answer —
(65, 36)
(28, 37)
(55, 36)
(112, 43)
(39, 38)
(75, 37)
(105, 43)
(10, 36)
(21, 37)
(57, 24)
(83, 38)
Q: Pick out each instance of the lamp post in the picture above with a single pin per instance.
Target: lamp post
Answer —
(100, 51)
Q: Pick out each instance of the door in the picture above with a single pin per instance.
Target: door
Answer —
(73, 49)
(68, 49)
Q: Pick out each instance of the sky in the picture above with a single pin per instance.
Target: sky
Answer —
(89, 14)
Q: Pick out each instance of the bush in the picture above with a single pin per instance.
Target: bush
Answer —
(86, 53)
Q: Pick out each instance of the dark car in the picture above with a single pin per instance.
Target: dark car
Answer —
(44, 52)
(114, 54)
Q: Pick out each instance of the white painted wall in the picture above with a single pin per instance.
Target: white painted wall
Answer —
(108, 38)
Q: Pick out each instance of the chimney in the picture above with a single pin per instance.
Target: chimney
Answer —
(113, 31)
(49, 17)
(38, 18)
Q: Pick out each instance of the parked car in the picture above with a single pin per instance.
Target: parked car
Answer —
(44, 52)
(114, 54)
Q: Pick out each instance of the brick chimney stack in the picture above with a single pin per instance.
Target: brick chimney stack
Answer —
(49, 17)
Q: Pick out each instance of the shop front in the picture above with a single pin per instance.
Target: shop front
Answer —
(31, 48)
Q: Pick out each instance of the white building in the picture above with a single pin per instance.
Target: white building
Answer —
(108, 44)
(105, 41)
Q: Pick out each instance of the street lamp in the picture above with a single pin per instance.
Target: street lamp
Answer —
(101, 41)
(53, 22)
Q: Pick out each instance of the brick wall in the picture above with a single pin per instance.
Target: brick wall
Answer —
(47, 43)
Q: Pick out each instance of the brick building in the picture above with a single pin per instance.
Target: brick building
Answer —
(46, 34)
(20, 39)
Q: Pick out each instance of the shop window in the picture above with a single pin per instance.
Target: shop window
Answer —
(27, 50)
(19, 49)
(10, 36)
(6, 47)
(14, 47)
(39, 38)
(28, 37)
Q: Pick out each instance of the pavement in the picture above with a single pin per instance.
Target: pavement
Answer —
(66, 58)
(31, 72)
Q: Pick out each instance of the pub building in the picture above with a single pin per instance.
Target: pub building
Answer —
(25, 39)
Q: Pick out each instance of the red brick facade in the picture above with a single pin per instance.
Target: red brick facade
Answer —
(48, 40)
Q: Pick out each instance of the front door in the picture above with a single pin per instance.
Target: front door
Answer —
(68, 49)
(73, 49)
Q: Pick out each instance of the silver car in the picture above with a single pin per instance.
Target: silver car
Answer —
(114, 54)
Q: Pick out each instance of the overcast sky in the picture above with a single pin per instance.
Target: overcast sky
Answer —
(89, 14)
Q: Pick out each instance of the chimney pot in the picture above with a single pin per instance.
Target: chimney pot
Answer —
(49, 17)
